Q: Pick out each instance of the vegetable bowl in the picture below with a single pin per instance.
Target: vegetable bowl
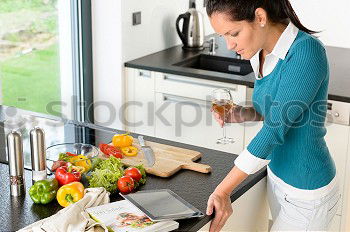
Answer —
(58, 151)
(76, 162)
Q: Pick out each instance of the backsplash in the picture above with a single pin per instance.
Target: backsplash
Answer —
(157, 30)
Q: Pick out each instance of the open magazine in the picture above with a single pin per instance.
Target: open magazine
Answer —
(122, 216)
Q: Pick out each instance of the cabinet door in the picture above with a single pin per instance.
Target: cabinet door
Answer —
(189, 120)
(345, 222)
(337, 142)
(250, 211)
(139, 105)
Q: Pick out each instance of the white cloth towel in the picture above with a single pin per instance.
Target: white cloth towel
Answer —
(74, 217)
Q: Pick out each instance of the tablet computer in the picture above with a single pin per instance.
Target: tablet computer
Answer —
(162, 204)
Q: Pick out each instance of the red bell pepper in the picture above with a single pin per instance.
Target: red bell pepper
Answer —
(66, 175)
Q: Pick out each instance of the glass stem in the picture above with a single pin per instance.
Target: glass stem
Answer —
(224, 130)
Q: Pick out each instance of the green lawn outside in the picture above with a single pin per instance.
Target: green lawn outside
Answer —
(32, 81)
(16, 5)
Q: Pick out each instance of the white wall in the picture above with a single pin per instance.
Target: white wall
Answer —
(157, 30)
(330, 17)
(107, 60)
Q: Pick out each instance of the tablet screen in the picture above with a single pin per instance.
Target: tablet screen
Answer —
(162, 205)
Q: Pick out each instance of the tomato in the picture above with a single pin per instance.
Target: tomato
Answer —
(122, 140)
(126, 184)
(134, 173)
(71, 154)
(111, 150)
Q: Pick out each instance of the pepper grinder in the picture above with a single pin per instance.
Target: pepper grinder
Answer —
(16, 163)
(38, 155)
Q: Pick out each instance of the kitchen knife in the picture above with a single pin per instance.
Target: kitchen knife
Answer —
(147, 151)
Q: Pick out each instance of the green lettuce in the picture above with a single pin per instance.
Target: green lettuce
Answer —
(106, 174)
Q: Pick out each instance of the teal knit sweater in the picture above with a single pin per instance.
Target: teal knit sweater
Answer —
(293, 101)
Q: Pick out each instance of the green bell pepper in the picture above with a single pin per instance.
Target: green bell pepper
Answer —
(43, 191)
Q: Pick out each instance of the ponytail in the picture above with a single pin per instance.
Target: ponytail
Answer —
(278, 11)
(290, 13)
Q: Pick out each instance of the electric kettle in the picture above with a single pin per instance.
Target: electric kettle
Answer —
(192, 32)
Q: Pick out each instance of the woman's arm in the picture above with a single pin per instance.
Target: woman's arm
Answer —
(231, 181)
(250, 114)
(220, 200)
(239, 114)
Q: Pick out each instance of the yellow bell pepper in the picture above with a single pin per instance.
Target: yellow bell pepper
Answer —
(81, 161)
(70, 193)
(129, 151)
(122, 140)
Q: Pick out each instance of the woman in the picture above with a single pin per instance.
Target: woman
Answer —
(290, 94)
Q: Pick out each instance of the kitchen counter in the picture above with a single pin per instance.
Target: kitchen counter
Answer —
(163, 62)
(194, 187)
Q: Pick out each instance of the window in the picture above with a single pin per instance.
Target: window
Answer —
(45, 66)
(29, 53)
(45, 57)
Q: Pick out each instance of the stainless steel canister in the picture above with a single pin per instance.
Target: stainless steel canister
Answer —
(38, 154)
(16, 163)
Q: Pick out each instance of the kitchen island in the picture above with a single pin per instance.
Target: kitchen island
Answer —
(18, 212)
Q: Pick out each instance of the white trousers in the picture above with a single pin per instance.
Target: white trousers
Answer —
(290, 214)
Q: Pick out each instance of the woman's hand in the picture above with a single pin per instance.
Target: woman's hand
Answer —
(221, 203)
(234, 116)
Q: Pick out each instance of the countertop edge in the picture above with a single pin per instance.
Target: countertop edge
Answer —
(195, 75)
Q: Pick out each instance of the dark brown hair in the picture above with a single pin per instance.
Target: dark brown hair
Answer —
(278, 11)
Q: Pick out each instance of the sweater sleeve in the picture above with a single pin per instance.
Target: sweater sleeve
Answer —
(304, 71)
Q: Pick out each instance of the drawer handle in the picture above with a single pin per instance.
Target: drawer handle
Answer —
(144, 74)
(174, 98)
(181, 80)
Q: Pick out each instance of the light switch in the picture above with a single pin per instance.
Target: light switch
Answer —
(136, 18)
(192, 4)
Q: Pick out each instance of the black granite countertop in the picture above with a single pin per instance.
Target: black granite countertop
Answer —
(163, 62)
(194, 187)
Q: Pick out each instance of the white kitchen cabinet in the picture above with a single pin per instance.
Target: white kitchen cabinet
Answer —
(190, 121)
(249, 211)
(139, 104)
(178, 108)
(345, 223)
(196, 88)
(184, 104)
(337, 142)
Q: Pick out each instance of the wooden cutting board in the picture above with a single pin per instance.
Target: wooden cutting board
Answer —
(169, 159)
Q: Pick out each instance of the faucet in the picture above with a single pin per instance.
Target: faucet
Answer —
(212, 46)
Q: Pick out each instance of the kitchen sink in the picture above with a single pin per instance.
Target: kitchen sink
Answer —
(217, 64)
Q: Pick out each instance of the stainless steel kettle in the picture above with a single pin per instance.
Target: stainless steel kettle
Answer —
(192, 33)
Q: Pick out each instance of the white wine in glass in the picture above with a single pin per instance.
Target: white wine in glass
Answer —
(222, 104)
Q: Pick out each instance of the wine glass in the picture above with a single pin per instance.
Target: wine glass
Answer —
(222, 104)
